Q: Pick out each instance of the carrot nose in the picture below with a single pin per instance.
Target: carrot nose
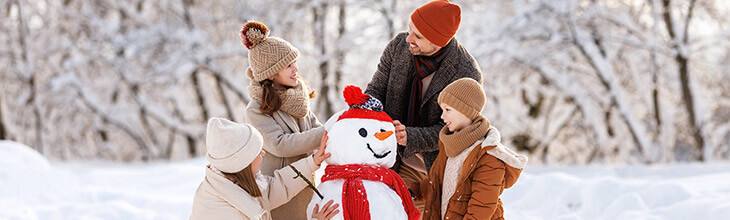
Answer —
(383, 135)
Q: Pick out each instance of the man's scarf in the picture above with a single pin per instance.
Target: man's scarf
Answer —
(423, 67)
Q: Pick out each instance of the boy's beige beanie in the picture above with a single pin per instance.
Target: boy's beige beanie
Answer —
(465, 95)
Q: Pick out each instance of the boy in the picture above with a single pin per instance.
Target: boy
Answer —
(472, 167)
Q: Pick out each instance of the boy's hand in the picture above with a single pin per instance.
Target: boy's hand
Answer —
(400, 133)
(320, 155)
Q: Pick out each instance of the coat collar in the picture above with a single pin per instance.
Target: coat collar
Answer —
(288, 120)
(440, 77)
(234, 195)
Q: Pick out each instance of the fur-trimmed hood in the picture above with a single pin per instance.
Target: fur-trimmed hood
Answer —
(515, 162)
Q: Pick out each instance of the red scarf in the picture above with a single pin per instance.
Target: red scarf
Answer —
(354, 198)
(424, 66)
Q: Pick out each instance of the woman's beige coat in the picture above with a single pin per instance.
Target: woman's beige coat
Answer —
(286, 140)
(218, 198)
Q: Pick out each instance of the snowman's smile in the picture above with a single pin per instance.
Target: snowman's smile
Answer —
(379, 156)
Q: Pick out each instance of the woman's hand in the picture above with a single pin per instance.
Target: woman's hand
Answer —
(327, 211)
(320, 155)
(400, 133)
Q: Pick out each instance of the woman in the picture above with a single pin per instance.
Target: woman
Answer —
(280, 108)
(235, 189)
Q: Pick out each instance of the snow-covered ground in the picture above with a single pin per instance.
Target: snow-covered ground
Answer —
(33, 188)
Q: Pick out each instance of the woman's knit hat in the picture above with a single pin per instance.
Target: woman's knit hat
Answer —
(465, 95)
(231, 146)
(267, 55)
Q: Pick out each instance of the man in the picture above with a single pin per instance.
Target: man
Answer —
(413, 69)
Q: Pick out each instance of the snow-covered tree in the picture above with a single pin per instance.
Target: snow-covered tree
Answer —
(613, 78)
(568, 81)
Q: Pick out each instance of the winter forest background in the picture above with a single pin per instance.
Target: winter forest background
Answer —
(567, 81)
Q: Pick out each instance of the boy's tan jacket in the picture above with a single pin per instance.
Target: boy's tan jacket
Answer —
(218, 198)
(486, 172)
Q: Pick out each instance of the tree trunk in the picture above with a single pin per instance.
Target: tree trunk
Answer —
(682, 60)
(192, 150)
(688, 99)
(173, 132)
(39, 117)
(29, 75)
(340, 54)
(192, 146)
(655, 93)
(226, 104)
(2, 121)
(319, 13)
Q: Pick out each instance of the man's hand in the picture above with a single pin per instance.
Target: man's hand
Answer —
(400, 133)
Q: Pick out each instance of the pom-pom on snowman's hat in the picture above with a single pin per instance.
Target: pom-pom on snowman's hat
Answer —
(363, 106)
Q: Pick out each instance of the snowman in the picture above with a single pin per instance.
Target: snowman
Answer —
(357, 176)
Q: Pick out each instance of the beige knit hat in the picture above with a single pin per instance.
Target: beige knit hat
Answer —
(465, 95)
(231, 146)
(266, 55)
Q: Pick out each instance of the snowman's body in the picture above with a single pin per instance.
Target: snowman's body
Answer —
(384, 202)
(357, 139)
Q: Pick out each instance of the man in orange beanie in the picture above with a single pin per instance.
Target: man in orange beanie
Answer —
(413, 69)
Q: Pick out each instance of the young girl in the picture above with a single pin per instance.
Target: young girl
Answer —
(472, 167)
(280, 108)
(234, 188)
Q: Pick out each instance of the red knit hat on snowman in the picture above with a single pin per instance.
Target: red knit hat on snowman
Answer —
(363, 105)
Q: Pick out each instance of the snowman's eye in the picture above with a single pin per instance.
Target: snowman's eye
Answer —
(363, 132)
(382, 130)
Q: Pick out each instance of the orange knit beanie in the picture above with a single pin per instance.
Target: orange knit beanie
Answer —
(438, 21)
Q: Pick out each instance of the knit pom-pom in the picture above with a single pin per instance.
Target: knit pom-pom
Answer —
(354, 96)
(254, 33)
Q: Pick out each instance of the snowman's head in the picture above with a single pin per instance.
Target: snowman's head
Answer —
(362, 141)
(364, 134)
